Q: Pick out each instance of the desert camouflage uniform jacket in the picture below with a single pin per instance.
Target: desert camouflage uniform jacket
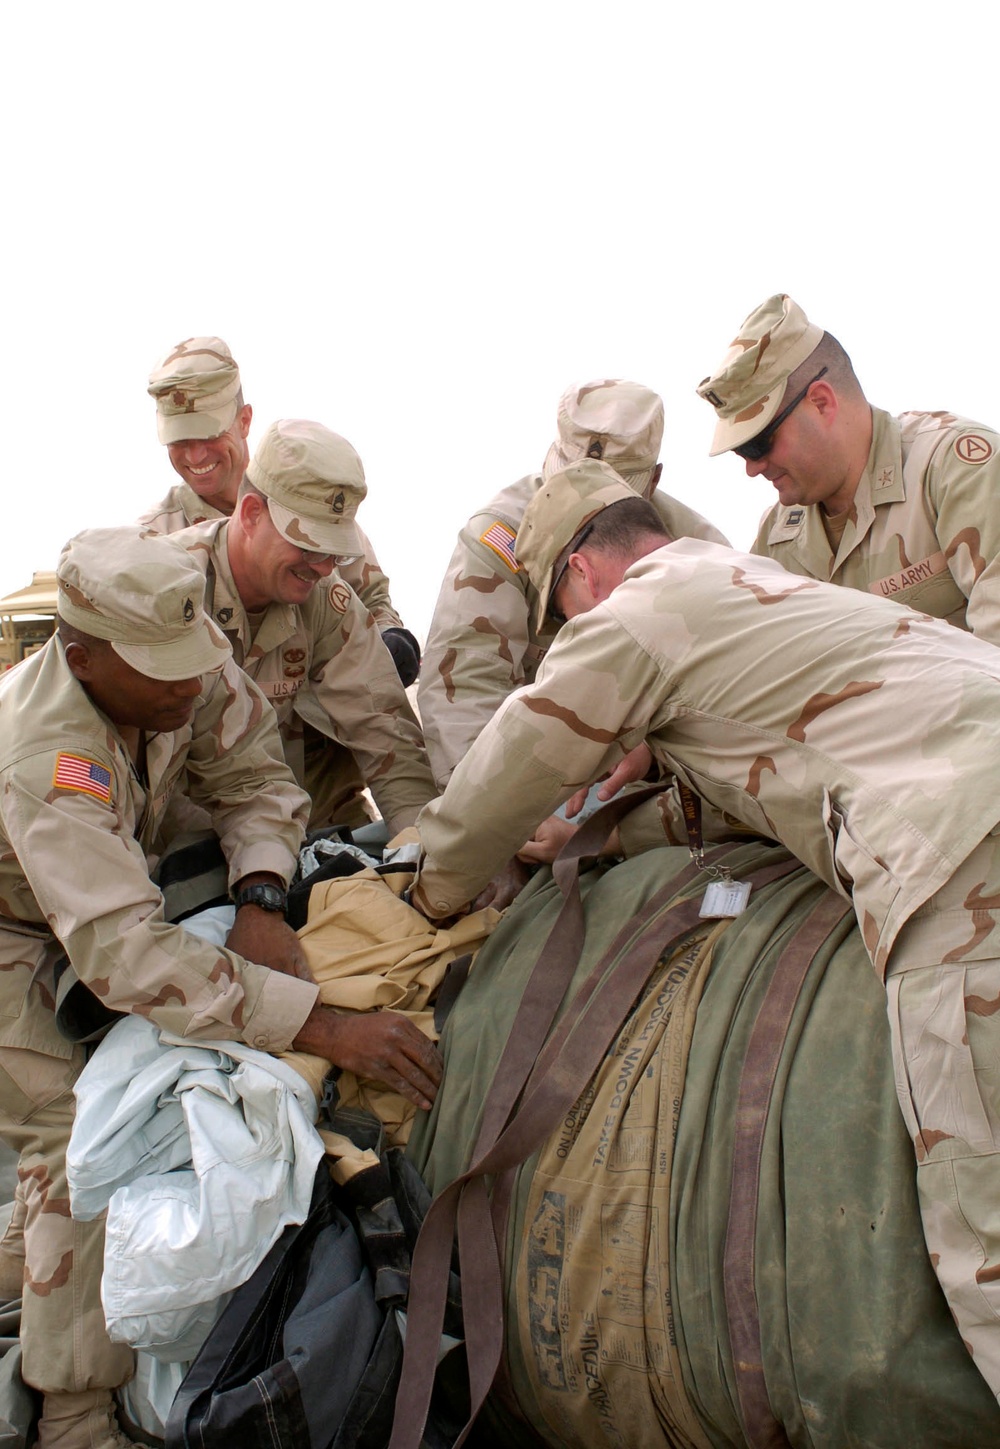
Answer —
(860, 734)
(76, 824)
(182, 507)
(483, 643)
(323, 663)
(924, 527)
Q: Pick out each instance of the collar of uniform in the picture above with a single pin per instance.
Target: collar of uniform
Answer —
(206, 543)
(881, 482)
(796, 521)
(193, 506)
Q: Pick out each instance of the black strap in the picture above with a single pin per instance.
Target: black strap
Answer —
(455, 977)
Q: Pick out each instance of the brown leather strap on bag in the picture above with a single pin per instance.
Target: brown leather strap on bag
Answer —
(756, 1088)
(551, 1080)
(547, 985)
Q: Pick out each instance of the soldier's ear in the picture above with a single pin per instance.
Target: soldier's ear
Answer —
(250, 509)
(243, 419)
(80, 663)
(600, 572)
(824, 400)
(586, 568)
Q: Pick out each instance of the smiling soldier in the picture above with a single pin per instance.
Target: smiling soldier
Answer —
(301, 632)
(204, 422)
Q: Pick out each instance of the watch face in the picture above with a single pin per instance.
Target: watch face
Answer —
(268, 897)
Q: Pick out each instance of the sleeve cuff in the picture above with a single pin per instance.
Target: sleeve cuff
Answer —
(280, 1013)
(264, 855)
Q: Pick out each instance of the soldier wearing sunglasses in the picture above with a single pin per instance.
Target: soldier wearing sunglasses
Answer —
(904, 508)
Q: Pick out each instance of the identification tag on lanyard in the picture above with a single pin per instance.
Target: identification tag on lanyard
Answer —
(725, 898)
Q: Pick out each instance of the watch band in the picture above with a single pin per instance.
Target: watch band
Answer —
(268, 897)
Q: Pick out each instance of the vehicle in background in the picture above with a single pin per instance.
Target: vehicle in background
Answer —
(27, 619)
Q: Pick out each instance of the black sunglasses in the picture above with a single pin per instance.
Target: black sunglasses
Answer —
(571, 548)
(761, 445)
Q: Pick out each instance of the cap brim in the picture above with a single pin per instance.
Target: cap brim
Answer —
(198, 426)
(198, 651)
(555, 576)
(732, 432)
(541, 616)
(637, 478)
(554, 462)
(316, 535)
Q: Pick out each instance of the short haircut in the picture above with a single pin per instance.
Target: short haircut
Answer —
(839, 370)
(620, 526)
(246, 487)
(70, 634)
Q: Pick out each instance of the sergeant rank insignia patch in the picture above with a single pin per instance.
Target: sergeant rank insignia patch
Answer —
(500, 538)
(73, 772)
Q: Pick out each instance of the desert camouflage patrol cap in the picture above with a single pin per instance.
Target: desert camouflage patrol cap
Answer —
(196, 387)
(557, 515)
(140, 592)
(747, 387)
(614, 421)
(314, 482)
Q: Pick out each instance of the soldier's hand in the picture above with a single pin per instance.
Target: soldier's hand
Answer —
(547, 841)
(632, 767)
(574, 804)
(635, 766)
(405, 653)
(504, 887)
(267, 938)
(381, 1045)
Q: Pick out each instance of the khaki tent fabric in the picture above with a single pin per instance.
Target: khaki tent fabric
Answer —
(858, 1347)
(369, 949)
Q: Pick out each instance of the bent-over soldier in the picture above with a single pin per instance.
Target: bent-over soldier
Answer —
(137, 689)
(484, 639)
(859, 733)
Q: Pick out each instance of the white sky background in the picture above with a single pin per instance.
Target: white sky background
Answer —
(419, 223)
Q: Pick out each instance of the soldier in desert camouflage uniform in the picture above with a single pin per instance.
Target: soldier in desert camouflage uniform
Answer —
(484, 641)
(859, 733)
(301, 633)
(904, 508)
(204, 422)
(136, 689)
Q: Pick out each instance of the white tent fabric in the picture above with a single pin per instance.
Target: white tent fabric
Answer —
(201, 1154)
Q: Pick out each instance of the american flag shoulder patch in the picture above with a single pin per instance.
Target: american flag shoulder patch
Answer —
(500, 538)
(75, 772)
